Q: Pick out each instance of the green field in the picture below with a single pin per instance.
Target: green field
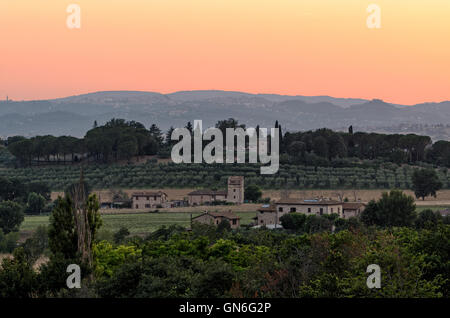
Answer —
(139, 223)
(135, 223)
(420, 208)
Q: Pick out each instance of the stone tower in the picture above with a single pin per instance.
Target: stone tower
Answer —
(235, 189)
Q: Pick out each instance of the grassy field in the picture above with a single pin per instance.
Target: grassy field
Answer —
(139, 223)
(135, 223)
(420, 208)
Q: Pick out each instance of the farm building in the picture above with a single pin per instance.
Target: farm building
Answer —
(177, 203)
(309, 206)
(214, 218)
(350, 209)
(234, 193)
(116, 204)
(267, 215)
(148, 200)
(200, 197)
(271, 214)
(235, 189)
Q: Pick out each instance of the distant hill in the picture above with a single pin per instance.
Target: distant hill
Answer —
(75, 114)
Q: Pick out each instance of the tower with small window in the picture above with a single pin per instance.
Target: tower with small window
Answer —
(235, 189)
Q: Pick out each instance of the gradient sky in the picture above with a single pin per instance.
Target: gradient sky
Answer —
(306, 47)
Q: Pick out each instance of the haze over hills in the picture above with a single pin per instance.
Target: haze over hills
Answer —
(74, 115)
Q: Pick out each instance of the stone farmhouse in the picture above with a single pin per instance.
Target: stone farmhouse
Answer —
(352, 209)
(214, 218)
(233, 194)
(310, 206)
(148, 200)
(199, 197)
(268, 215)
(271, 214)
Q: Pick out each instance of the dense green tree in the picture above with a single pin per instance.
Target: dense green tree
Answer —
(112, 142)
(120, 235)
(40, 188)
(86, 218)
(428, 219)
(12, 189)
(433, 244)
(157, 134)
(120, 139)
(62, 233)
(293, 221)
(228, 123)
(168, 138)
(425, 182)
(316, 224)
(265, 263)
(17, 278)
(216, 280)
(439, 153)
(35, 203)
(392, 209)
(320, 146)
(252, 193)
(8, 242)
(11, 216)
(223, 226)
(127, 147)
(14, 139)
(22, 150)
(37, 244)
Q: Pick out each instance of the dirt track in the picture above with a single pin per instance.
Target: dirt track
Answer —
(443, 196)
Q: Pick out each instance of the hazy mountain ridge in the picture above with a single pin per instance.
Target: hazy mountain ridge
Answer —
(75, 114)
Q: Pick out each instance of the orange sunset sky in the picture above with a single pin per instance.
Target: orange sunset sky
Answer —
(305, 47)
